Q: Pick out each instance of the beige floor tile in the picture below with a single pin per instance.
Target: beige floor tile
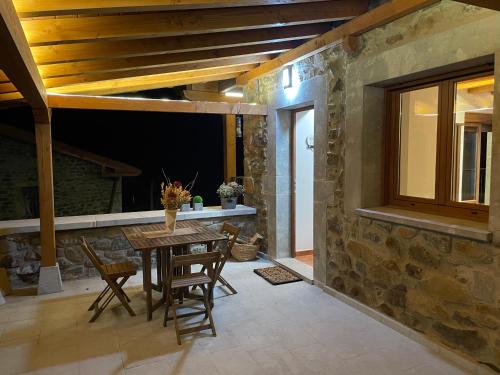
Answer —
(235, 361)
(16, 356)
(20, 330)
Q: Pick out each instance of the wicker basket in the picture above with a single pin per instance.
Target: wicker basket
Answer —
(244, 252)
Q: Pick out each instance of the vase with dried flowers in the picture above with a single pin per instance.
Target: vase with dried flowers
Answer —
(173, 197)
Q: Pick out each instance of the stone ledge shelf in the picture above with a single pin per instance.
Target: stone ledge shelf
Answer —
(118, 219)
(457, 227)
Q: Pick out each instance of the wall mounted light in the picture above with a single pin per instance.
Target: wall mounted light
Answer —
(234, 94)
(287, 79)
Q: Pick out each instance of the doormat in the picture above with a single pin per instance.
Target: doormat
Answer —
(277, 275)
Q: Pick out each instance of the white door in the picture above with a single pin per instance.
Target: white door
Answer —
(303, 175)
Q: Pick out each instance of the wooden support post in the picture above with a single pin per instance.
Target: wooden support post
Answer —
(229, 147)
(45, 185)
(50, 276)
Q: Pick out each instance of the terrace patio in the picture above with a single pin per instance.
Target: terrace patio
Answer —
(294, 328)
(365, 136)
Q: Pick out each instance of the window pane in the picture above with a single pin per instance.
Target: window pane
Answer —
(418, 142)
(472, 140)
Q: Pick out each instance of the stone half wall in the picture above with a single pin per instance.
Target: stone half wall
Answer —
(443, 286)
(79, 187)
(109, 243)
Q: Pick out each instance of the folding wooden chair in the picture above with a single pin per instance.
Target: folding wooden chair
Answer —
(109, 273)
(177, 282)
(232, 232)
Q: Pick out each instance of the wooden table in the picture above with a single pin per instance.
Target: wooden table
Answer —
(152, 237)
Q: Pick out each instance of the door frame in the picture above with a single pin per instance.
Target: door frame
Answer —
(293, 114)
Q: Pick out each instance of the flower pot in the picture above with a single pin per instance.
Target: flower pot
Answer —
(228, 203)
(198, 206)
(185, 207)
(170, 220)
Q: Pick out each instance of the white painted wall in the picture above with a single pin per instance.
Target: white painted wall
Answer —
(304, 180)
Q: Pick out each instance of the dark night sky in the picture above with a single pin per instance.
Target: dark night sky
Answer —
(180, 143)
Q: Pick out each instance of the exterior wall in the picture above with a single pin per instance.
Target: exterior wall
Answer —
(79, 187)
(444, 286)
(255, 142)
(23, 250)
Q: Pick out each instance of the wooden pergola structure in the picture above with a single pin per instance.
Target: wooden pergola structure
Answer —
(71, 53)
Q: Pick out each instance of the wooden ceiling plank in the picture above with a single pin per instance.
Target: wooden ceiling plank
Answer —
(381, 15)
(82, 78)
(49, 31)
(188, 43)
(17, 61)
(149, 82)
(159, 85)
(10, 96)
(490, 4)
(3, 77)
(153, 105)
(34, 8)
(7, 87)
(99, 66)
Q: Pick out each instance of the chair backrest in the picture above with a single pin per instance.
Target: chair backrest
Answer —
(210, 260)
(91, 254)
(233, 233)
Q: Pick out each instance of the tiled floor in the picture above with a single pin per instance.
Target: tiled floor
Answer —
(288, 329)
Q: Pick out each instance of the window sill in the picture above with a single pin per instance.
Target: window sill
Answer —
(456, 227)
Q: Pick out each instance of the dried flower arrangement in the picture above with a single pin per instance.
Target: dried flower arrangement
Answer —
(174, 195)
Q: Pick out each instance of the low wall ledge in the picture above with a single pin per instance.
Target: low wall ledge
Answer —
(117, 219)
(456, 227)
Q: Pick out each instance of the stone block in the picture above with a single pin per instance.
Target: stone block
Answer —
(422, 255)
(460, 338)
(446, 290)
(406, 232)
(469, 252)
(484, 287)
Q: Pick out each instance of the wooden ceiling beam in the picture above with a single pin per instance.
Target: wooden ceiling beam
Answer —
(33, 8)
(130, 26)
(490, 4)
(100, 66)
(188, 43)
(151, 82)
(196, 95)
(381, 15)
(16, 59)
(153, 105)
(83, 78)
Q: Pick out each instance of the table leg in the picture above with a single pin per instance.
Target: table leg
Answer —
(210, 247)
(159, 273)
(146, 279)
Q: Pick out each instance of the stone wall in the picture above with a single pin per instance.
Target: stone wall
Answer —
(255, 166)
(79, 187)
(23, 250)
(443, 286)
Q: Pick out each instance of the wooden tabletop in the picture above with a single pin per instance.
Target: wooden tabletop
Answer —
(151, 236)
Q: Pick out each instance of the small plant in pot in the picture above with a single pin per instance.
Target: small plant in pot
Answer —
(229, 194)
(198, 203)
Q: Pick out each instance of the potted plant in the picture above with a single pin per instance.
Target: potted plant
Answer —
(229, 193)
(197, 203)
